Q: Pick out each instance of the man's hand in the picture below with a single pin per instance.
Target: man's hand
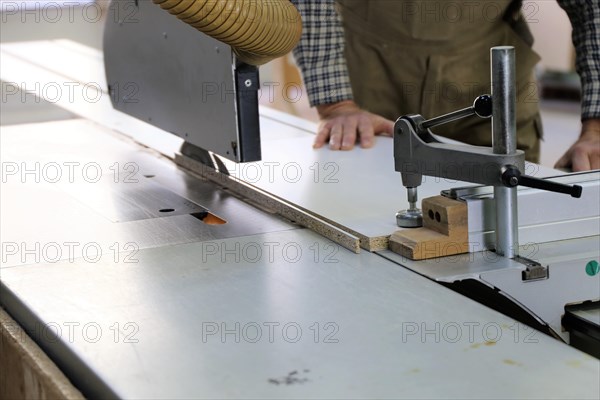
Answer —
(584, 154)
(342, 122)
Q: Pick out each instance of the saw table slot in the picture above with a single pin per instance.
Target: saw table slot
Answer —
(208, 218)
(130, 198)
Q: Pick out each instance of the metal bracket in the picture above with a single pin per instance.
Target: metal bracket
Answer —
(534, 271)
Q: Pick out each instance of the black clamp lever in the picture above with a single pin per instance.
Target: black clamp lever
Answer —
(511, 177)
(482, 107)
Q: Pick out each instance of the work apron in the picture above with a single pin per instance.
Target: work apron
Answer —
(433, 57)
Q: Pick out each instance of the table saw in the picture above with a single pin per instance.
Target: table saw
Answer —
(144, 267)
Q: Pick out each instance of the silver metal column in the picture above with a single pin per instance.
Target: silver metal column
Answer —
(504, 141)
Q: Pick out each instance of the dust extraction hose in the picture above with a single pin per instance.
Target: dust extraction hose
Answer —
(257, 30)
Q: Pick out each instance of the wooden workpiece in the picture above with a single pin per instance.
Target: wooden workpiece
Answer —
(26, 372)
(445, 231)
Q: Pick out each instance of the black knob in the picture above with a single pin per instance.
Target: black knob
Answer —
(483, 106)
(512, 177)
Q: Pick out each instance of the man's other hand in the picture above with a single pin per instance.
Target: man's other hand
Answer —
(342, 123)
(584, 154)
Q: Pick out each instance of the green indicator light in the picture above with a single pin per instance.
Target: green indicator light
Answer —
(592, 268)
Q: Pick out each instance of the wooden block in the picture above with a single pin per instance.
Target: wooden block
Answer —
(445, 215)
(445, 231)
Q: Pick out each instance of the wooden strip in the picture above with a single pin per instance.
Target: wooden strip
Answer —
(25, 370)
(273, 204)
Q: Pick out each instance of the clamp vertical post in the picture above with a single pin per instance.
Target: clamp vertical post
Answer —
(504, 141)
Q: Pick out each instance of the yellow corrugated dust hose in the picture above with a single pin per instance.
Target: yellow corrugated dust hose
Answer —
(257, 30)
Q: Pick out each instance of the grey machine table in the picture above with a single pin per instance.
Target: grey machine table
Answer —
(150, 304)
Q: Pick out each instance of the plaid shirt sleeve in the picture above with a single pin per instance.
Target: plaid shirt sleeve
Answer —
(585, 18)
(320, 53)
